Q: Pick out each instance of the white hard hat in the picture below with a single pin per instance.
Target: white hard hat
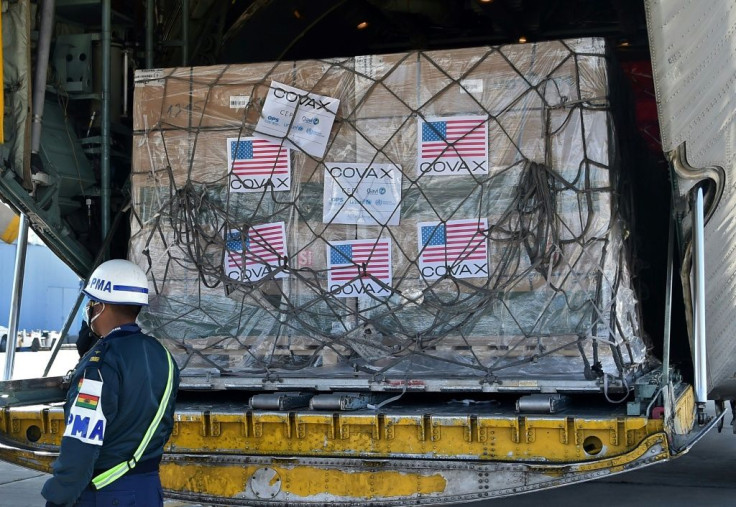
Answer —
(118, 282)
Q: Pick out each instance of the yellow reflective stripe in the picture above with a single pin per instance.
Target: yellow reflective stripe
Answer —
(159, 414)
(110, 476)
(116, 472)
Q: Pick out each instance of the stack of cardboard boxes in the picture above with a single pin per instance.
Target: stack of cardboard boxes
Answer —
(556, 272)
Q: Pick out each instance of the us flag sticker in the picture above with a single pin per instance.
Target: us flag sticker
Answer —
(453, 145)
(359, 268)
(256, 164)
(457, 248)
(256, 252)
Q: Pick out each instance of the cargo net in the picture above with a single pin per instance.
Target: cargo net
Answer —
(462, 220)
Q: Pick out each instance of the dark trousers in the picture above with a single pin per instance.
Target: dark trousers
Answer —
(137, 490)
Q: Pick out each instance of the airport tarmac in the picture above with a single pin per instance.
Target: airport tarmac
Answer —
(706, 476)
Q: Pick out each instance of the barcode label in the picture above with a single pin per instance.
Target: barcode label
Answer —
(239, 101)
(472, 85)
(369, 65)
(149, 77)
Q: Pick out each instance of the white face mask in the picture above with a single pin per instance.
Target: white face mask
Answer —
(88, 311)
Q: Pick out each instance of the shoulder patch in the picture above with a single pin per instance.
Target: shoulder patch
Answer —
(86, 421)
(96, 356)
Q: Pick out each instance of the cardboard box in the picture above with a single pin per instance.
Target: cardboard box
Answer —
(551, 159)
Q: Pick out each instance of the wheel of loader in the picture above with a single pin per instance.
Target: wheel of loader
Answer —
(3, 343)
(36, 345)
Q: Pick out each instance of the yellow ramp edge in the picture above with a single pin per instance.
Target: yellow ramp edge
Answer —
(222, 454)
(301, 480)
(505, 439)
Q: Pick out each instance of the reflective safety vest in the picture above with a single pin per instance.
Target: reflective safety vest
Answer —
(109, 476)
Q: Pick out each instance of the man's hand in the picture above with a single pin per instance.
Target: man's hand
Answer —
(86, 340)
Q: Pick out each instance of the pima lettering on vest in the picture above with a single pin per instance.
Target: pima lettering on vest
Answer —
(100, 284)
(80, 425)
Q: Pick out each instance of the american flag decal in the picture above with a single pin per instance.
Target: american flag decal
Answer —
(355, 266)
(453, 145)
(256, 164)
(456, 247)
(253, 255)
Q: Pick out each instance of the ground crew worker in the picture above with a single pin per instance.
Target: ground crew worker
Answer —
(120, 405)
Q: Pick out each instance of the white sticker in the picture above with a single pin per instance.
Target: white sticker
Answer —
(472, 85)
(86, 421)
(362, 194)
(239, 101)
(456, 248)
(296, 118)
(359, 268)
(257, 165)
(149, 77)
(256, 253)
(453, 145)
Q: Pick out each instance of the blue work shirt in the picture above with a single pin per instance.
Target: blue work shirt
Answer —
(129, 371)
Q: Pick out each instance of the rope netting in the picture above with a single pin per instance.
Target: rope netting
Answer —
(461, 218)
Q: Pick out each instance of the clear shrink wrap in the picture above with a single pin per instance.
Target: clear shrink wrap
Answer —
(550, 293)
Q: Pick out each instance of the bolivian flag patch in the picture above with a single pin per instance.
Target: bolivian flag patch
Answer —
(87, 401)
(86, 421)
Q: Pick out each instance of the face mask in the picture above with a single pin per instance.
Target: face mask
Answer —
(88, 312)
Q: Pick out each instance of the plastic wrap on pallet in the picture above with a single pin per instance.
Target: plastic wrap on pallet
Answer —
(552, 296)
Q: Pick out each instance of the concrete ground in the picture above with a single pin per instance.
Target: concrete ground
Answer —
(706, 476)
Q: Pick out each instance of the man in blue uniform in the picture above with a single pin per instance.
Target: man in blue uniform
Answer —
(120, 405)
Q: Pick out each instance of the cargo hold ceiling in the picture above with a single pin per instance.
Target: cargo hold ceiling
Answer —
(267, 30)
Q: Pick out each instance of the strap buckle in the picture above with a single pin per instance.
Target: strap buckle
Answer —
(132, 462)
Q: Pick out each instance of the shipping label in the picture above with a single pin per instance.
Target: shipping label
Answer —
(297, 119)
(362, 194)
